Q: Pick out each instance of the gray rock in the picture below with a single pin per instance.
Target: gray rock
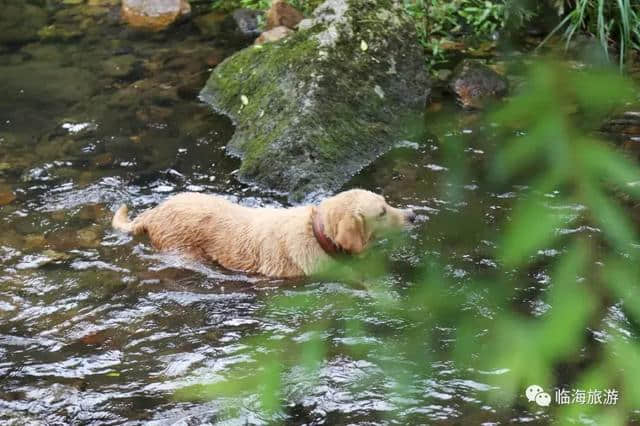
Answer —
(246, 22)
(313, 109)
(474, 84)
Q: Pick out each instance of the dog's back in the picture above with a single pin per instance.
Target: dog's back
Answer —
(210, 227)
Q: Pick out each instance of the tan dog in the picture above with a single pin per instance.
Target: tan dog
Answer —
(273, 242)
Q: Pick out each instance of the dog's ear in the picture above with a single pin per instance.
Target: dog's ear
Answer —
(350, 234)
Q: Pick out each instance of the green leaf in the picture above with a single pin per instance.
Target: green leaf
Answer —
(598, 91)
(561, 332)
(533, 227)
(615, 224)
(271, 382)
(605, 163)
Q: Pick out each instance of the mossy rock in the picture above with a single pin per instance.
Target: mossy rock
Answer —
(315, 108)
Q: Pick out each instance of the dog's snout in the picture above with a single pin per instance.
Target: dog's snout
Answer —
(410, 216)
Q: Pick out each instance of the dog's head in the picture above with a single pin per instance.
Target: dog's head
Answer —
(352, 219)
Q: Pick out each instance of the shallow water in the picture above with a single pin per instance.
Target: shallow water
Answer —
(95, 327)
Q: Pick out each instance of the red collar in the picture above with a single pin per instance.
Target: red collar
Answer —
(329, 247)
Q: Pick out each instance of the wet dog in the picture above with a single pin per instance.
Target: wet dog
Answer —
(275, 242)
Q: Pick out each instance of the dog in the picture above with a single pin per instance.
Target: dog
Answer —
(274, 242)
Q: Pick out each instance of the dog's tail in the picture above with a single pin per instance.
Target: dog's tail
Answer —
(121, 220)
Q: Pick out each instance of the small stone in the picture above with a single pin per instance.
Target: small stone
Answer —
(305, 24)
(55, 256)
(6, 196)
(94, 339)
(154, 15)
(63, 239)
(282, 13)
(33, 261)
(475, 83)
(246, 22)
(103, 160)
(32, 241)
(273, 34)
(93, 212)
(87, 237)
(215, 57)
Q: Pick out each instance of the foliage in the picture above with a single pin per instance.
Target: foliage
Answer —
(612, 22)
(305, 6)
(229, 5)
(438, 21)
(551, 149)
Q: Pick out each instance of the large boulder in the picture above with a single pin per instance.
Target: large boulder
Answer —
(313, 109)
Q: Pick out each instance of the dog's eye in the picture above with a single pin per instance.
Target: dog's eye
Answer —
(383, 212)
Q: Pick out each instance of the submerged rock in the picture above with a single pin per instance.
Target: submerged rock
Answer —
(210, 24)
(7, 196)
(44, 84)
(153, 14)
(624, 130)
(20, 21)
(55, 33)
(315, 108)
(474, 84)
(120, 66)
(88, 237)
(282, 13)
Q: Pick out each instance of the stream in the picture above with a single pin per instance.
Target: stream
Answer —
(97, 328)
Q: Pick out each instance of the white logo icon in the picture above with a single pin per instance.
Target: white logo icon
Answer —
(543, 399)
(537, 394)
